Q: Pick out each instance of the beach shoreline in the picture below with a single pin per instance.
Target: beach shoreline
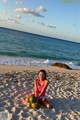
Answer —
(63, 93)
(10, 68)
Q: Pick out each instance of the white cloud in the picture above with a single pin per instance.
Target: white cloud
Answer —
(11, 19)
(18, 2)
(40, 8)
(18, 16)
(14, 21)
(29, 12)
(47, 25)
(2, 19)
(4, 1)
(42, 23)
(51, 26)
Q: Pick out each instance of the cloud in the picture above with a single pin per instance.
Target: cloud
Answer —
(51, 26)
(4, 1)
(14, 21)
(18, 16)
(11, 19)
(47, 25)
(32, 20)
(18, 2)
(29, 12)
(2, 19)
(42, 23)
(41, 8)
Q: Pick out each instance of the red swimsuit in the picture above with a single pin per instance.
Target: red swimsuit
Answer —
(40, 87)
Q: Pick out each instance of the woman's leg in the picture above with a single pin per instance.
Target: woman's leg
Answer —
(44, 102)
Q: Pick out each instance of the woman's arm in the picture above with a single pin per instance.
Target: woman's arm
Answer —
(45, 87)
(35, 88)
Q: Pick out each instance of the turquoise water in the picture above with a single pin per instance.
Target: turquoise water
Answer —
(23, 48)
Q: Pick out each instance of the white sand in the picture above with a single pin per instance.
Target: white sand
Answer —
(63, 93)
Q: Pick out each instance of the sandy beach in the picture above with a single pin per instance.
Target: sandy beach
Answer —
(63, 93)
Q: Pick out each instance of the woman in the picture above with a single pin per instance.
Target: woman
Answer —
(40, 86)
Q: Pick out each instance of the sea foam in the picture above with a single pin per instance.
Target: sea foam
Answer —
(7, 60)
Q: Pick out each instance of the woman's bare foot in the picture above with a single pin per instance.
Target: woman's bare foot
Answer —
(25, 100)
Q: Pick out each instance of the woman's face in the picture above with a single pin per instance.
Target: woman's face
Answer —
(41, 75)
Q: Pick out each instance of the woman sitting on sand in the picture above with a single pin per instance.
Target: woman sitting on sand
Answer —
(40, 86)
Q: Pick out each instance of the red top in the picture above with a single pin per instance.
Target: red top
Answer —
(40, 87)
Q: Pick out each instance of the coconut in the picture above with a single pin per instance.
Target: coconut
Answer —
(32, 99)
(34, 105)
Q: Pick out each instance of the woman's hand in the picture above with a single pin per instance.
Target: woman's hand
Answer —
(35, 88)
(36, 94)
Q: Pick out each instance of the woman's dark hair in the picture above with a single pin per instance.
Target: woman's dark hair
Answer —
(43, 71)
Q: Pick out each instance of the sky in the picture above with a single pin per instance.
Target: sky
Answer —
(53, 18)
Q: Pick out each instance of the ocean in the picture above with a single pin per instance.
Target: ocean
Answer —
(22, 48)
